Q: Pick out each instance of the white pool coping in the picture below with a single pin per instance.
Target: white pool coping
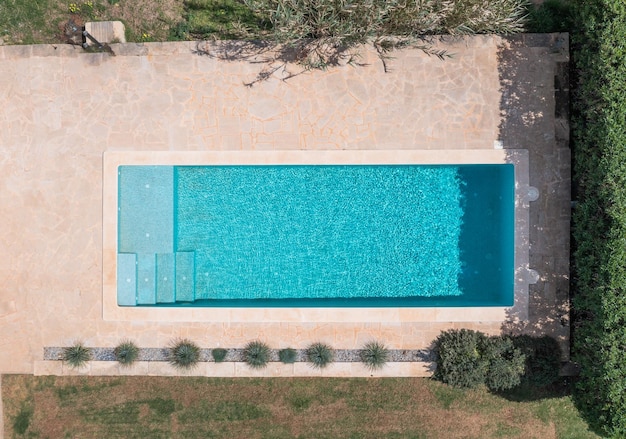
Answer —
(523, 276)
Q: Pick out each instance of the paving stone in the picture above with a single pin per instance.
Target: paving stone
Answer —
(62, 108)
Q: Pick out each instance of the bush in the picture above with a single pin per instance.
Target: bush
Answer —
(468, 359)
(599, 219)
(219, 354)
(459, 359)
(183, 354)
(543, 359)
(77, 355)
(320, 355)
(256, 354)
(126, 353)
(374, 355)
(505, 363)
(287, 355)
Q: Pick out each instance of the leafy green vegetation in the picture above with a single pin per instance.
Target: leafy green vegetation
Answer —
(219, 354)
(77, 355)
(506, 363)
(549, 16)
(43, 21)
(468, 359)
(322, 33)
(599, 219)
(183, 354)
(23, 418)
(126, 353)
(26, 22)
(338, 23)
(256, 354)
(459, 358)
(224, 19)
(199, 407)
(374, 355)
(224, 411)
(543, 359)
(320, 355)
(287, 355)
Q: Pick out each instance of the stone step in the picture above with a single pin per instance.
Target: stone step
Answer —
(146, 279)
(146, 209)
(127, 279)
(185, 275)
(166, 280)
(106, 31)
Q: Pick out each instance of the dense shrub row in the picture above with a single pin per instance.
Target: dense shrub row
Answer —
(599, 220)
(467, 359)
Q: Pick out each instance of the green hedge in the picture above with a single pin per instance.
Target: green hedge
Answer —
(599, 221)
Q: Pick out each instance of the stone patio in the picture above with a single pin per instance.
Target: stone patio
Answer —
(64, 108)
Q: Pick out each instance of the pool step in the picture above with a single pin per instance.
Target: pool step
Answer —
(166, 282)
(185, 276)
(146, 277)
(155, 278)
(126, 279)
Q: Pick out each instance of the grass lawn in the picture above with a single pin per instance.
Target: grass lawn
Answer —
(42, 21)
(155, 407)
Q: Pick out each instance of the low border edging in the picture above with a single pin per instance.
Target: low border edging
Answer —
(55, 353)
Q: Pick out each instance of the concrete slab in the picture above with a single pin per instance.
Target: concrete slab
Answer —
(106, 31)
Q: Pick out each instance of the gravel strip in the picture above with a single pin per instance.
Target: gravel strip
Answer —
(236, 355)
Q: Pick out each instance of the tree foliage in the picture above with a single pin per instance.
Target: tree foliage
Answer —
(321, 33)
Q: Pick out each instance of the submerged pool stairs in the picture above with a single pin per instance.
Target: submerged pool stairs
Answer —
(155, 278)
(150, 270)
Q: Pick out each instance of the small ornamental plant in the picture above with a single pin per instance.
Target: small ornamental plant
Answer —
(374, 355)
(183, 354)
(126, 353)
(77, 355)
(320, 355)
(219, 354)
(287, 355)
(256, 354)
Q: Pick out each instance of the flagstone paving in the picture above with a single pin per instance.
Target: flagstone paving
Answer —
(63, 108)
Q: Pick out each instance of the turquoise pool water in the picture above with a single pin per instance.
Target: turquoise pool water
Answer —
(409, 235)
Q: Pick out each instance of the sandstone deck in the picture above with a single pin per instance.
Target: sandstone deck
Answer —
(63, 109)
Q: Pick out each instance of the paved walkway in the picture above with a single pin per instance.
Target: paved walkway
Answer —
(63, 108)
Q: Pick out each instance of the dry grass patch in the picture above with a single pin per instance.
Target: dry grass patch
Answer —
(130, 407)
(148, 20)
(42, 21)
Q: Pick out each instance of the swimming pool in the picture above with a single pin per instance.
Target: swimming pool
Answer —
(316, 236)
